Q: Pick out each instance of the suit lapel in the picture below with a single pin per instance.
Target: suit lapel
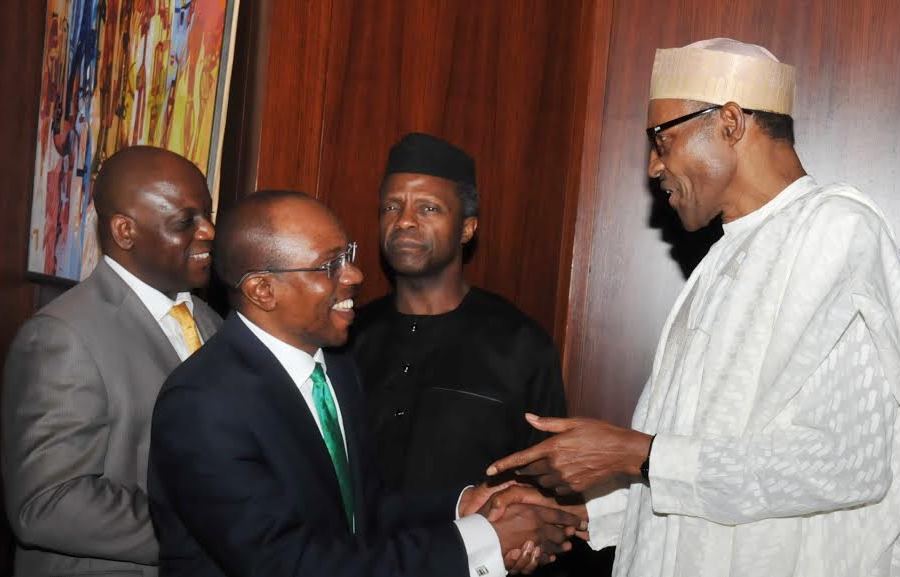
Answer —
(207, 323)
(343, 380)
(287, 400)
(137, 321)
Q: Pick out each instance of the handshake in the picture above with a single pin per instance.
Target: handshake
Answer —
(581, 454)
(532, 527)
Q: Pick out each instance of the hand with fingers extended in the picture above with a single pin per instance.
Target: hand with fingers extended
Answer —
(583, 453)
(547, 531)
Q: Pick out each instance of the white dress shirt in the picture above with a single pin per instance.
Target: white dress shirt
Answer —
(479, 538)
(159, 306)
(299, 367)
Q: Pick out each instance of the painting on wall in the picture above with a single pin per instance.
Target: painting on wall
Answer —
(118, 73)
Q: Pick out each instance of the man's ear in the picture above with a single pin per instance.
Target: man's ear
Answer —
(734, 123)
(260, 292)
(470, 225)
(123, 231)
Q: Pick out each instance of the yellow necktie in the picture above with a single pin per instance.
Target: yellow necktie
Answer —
(182, 314)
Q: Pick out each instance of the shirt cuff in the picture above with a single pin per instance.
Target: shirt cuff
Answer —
(482, 546)
(459, 500)
(674, 466)
(606, 516)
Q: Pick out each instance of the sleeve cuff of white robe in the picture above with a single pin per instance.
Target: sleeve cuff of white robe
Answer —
(481, 543)
(606, 515)
(674, 466)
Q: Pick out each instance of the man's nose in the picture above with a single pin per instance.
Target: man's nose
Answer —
(407, 218)
(206, 230)
(655, 165)
(350, 274)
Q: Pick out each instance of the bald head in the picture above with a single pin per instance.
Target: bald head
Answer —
(252, 235)
(305, 281)
(154, 217)
(132, 173)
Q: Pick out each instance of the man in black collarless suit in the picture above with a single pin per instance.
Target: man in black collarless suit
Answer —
(258, 465)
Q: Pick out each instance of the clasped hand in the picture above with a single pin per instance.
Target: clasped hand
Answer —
(531, 527)
(582, 454)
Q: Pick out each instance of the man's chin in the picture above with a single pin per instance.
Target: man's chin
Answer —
(198, 279)
(408, 267)
(337, 339)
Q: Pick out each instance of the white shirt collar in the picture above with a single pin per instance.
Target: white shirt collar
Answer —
(156, 302)
(297, 363)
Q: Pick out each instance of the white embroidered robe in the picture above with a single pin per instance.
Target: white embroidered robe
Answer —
(773, 396)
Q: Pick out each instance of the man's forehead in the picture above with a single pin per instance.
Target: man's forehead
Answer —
(417, 182)
(165, 193)
(309, 227)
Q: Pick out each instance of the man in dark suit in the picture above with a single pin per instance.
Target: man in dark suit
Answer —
(82, 375)
(259, 463)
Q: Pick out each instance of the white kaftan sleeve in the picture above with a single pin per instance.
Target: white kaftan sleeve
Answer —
(828, 443)
(606, 511)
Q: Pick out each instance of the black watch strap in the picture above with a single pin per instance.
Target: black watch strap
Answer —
(645, 466)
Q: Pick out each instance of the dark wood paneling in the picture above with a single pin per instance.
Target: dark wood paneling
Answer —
(583, 181)
(240, 149)
(294, 92)
(847, 106)
(504, 80)
(21, 50)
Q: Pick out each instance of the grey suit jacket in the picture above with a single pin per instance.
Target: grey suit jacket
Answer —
(79, 386)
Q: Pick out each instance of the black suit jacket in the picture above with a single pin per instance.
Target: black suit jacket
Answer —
(241, 483)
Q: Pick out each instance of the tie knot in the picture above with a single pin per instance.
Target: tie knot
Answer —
(318, 375)
(181, 313)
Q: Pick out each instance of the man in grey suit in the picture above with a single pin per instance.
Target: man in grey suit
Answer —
(82, 375)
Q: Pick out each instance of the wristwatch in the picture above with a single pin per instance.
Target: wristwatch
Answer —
(645, 466)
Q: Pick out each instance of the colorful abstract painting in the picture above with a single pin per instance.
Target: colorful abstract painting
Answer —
(117, 73)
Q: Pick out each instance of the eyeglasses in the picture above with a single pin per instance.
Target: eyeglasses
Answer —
(331, 268)
(653, 131)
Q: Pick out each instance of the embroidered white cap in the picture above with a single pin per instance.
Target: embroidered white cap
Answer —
(721, 70)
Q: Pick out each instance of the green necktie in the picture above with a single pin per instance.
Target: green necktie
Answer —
(331, 433)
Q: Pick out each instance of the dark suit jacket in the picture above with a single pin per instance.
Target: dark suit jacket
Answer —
(79, 385)
(241, 482)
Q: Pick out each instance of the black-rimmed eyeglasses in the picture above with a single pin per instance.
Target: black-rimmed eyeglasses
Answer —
(331, 268)
(653, 131)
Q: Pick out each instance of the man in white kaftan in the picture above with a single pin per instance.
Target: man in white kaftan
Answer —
(773, 395)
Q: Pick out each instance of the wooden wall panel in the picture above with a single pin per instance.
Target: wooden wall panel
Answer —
(504, 80)
(582, 186)
(847, 106)
(21, 50)
(294, 89)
